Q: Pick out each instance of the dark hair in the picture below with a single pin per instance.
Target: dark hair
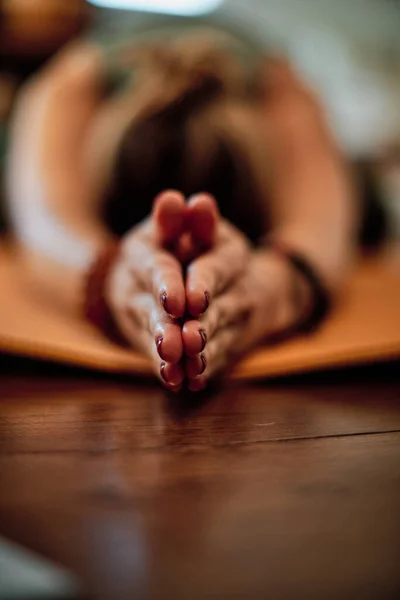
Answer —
(158, 152)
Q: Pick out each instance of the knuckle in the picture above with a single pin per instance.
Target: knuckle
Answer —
(214, 320)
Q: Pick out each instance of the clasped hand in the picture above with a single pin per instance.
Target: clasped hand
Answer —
(188, 290)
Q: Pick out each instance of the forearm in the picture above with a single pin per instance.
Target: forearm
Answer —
(317, 212)
(53, 284)
(54, 256)
(50, 205)
(35, 194)
(314, 206)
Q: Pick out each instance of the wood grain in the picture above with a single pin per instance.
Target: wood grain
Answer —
(287, 490)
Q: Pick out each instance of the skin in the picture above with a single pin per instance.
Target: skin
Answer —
(208, 280)
(186, 288)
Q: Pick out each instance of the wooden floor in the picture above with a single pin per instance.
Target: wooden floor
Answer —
(286, 490)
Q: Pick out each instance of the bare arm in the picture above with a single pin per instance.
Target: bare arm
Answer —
(314, 205)
(53, 209)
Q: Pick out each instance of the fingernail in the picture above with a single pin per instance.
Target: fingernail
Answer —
(162, 372)
(203, 336)
(164, 299)
(159, 343)
(207, 300)
(204, 363)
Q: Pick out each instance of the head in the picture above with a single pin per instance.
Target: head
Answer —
(193, 127)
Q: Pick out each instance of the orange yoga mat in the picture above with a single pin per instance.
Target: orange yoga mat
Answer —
(363, 327)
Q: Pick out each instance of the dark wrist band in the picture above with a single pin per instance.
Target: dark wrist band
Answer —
(96, 309)
(321, 301)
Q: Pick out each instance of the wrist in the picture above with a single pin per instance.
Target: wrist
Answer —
(282, 296)
(289, 297)
(310, 297)
(96, 307)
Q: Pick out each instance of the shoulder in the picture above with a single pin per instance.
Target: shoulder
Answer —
(290, 104)
(77, 67)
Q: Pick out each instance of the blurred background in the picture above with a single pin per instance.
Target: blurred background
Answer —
(349, 51)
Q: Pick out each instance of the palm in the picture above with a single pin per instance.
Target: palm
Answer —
(180, 284)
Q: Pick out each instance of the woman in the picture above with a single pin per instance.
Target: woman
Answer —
(251, 246)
